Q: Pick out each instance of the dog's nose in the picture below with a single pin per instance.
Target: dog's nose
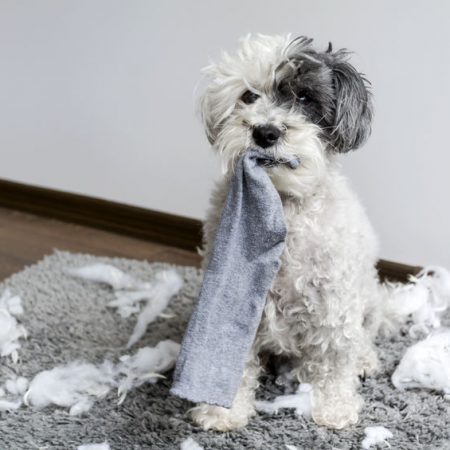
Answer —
(266, 135)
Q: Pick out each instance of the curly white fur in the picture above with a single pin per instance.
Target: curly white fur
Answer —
(321, 309)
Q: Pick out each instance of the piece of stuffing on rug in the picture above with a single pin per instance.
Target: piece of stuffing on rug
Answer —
(128, 303)
(301, 401)
(146, 365)
(167, 283)
(107, 274)
(10, 330)
(130, 292)
(190, 444)
(102, 446)
(17, 386)
(75, 386)
(426, 364)
(375, 435)
(9, 405)
(291, 447)
(11, 393)
(425, 299)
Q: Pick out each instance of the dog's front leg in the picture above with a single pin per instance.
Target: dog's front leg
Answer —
(332, 367)
(223, 419)
(336, 403)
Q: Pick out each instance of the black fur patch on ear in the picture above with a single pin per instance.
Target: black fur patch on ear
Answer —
(353, 105)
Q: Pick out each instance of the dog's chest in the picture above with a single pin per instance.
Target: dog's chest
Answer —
(293, 306)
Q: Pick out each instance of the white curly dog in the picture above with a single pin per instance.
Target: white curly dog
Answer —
(282, 95)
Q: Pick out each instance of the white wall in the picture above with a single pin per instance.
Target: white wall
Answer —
(97, 97)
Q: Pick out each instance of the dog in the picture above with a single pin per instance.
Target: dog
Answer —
(283, 96)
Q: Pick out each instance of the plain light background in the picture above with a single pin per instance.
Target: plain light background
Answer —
(97, 97)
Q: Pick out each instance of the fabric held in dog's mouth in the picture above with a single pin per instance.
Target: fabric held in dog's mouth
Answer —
(244, 262)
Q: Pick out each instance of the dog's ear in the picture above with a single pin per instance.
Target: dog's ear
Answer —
(216, 103)
(207, 115)
(353, 105)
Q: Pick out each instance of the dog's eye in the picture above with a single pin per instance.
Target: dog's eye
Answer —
(303, 98)
(249, 97)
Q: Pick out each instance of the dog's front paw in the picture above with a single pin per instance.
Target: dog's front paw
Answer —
(337, 414)
(369, 366)
(368, 363)
(220, 419)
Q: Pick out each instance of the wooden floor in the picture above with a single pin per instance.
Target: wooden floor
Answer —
(25, 238)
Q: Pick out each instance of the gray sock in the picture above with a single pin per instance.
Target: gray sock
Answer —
(244, 262)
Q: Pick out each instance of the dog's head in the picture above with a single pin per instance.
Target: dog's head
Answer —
(287, 98)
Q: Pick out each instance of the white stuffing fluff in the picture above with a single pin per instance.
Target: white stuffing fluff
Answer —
(102, 446)
(77, 385)
(10, 330)
(127, 303)
(375, 435)
(425, 299)
(301, 401)
(9, 405)
(74, 386)
(190, 444)
(108, 274)
(16, 386)
(130, 292)
(146, 365)
(291, 447)
(11, 393)
(166, 284)
(426, 364)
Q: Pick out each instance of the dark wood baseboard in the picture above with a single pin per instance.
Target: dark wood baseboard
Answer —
(394, 271)
(129, 220)
(142, 223)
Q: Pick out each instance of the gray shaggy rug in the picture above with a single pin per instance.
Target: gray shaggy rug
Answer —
(67, 320)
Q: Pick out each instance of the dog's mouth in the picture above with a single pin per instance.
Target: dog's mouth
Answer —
(267, 160)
